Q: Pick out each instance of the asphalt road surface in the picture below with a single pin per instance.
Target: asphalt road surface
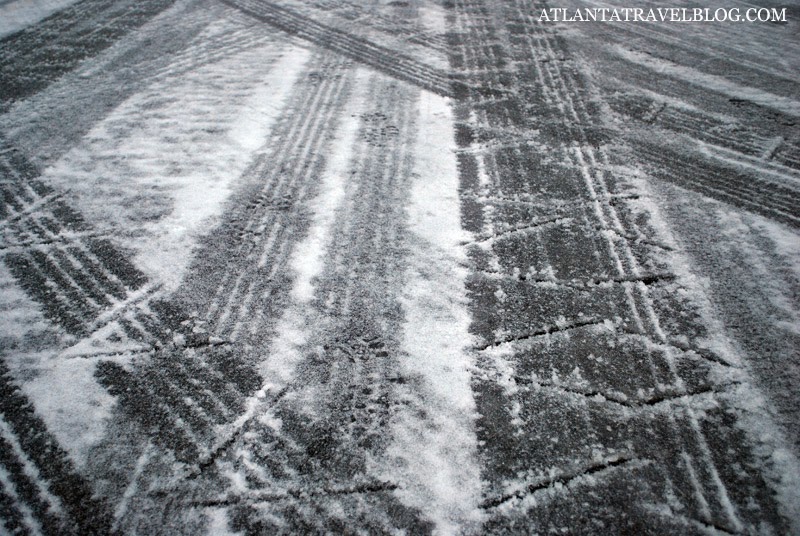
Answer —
(396, 267)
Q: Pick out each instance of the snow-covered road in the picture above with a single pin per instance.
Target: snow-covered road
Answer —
(366, 267)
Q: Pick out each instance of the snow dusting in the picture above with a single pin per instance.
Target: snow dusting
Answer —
(712, 82)
(438, 454)
(341, 267)
(168, 157)
(17, 14)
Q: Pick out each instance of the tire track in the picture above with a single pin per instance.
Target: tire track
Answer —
(98, 85)
(93, 279)
(186, 393)
(305, 474)
(511, 409)
(89, 288)
(392, 63)
(74, 276)
(662, 41)
(764, 111)
(704, 466)
(36, 56)
(43, 486)
(407, 28)
(273, 214)
(750, 167)
(83, 283)
(696, 124)
(313, 472)
(723, 183)
(761, 148)
(206, 49)
(180, 398)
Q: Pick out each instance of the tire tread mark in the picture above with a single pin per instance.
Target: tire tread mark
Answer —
(393, 63)
(725, 184)
(27, 494)
(351, 386)
(77, 276)
(269, 227)
(33, 57)
(89, 515)
(546, 75)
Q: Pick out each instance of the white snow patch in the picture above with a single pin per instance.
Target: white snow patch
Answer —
(285, 351)
(161, 165)
(778, 462)
(785, 240)
(16, 15)
(261, 109)
(433, 18)
(218, 522)
(72, 404)
(437, 454)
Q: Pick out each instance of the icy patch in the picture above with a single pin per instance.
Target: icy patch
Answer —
(436, 453)
(16, 15)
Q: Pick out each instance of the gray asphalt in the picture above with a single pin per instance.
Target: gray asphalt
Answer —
(627, 200)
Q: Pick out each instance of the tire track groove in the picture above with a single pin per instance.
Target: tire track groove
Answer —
(74, 274)
(708, 468)
(353, 12)
(268, 228)
(82, 513)
(199, 386)
(347, 390)
(36, 56)
(566, 117)
(385, 60)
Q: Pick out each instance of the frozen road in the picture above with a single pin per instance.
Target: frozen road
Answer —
(396, 267)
